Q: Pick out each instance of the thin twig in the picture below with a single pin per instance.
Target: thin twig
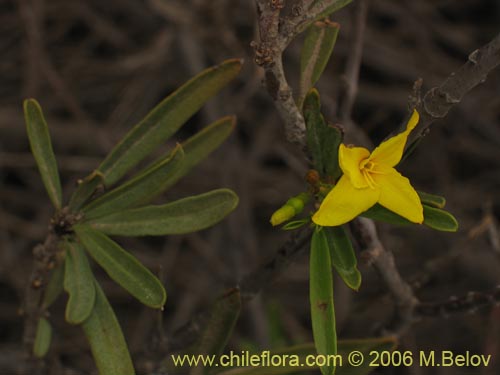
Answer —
(384, 263)
(268, 54)
(439, 100)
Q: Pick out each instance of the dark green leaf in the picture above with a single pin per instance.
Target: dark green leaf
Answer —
(433, 218)
(432, 200)
(166, 118)
(106, 340)
(78, 283)
(41, 147)
(343, 256)
(43, 338)
(439, 219)
(122, 267)
(321, 297)
(301, 352)
(182, 216)
(316, 51)
(54, 287)
(139, 190)
(323, 140)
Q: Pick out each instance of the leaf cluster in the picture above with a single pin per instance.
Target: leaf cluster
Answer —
(125, 210)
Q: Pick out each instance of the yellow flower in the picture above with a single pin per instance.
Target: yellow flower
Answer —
(369, 179)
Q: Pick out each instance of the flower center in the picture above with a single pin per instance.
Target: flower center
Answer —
(367, 168)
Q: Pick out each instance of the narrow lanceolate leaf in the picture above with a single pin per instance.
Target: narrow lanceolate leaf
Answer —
(318, 47)
(54, 287)
(200, 145)
(139, 190)
(182, 216)
(321, 297)
(343, 256)
(219, 326)
(298, 355)
(432, 200)
(439, 219)
(41, 147)
(106, 340)
(43, 338)
(78, 283)
(434, 218)
(166, 118)
(122, 267)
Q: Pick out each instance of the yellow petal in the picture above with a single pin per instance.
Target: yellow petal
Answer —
(390, 151)
(397, 195)
(350, 159)
(344, 202)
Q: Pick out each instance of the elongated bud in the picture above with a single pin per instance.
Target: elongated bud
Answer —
(292, 207)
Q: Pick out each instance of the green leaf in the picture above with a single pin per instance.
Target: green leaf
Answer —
(139, 190)
(182, 216)
(78, 283)
(220, 325)
(433, 218)
(166, 118)
(432, 200)
(316, 51)
(321, 297)
(106, 340)
(298, 354)
(43, 337)
(343, 256)
(41, 147)
(439, 219)
(323, 140)
(122, 267)
(54, 287)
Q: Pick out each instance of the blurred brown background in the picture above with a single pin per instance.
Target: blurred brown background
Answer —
(97, 67)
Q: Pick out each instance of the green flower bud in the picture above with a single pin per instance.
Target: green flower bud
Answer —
(292, 207)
